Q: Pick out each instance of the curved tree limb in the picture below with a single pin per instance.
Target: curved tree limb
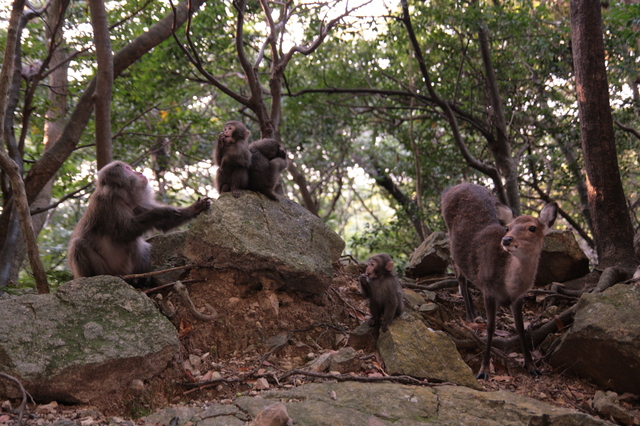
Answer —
(10, 166)
(24, 395)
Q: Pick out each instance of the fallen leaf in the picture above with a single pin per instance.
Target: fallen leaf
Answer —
(185, 328)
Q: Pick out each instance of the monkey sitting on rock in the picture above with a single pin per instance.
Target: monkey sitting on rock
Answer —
(256, 166)
(268, 160)
(233, 158)
(108, 238)
(381, 286)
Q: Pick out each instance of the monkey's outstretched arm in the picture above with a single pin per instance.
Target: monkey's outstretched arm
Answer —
(166, 218)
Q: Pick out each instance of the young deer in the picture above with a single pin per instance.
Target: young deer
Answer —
(499, 260)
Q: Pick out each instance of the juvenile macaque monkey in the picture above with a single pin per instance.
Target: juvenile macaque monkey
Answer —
(233, 158)
(108, 238)
(268, 160)
(380, 284)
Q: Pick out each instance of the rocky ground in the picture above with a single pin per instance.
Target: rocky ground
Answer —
(260, 334)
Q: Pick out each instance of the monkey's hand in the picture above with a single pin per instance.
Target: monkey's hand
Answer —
(364, 285)
(202, 204)
(198, 207)
(221, 138)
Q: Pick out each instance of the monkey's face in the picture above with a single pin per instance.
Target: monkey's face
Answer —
(378, 266)
(371, 270)
(228, 134)
(138, 177)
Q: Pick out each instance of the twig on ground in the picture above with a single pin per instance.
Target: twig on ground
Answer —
(24, 395)
(150, 274)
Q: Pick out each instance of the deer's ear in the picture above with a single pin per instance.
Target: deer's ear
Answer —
(548, 216)
(505, 214)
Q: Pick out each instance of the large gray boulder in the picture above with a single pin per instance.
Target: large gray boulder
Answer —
(561, 259)
(253, 233)
(91, 337)
(431, 257)
(604, 341)
(366, 404)
(410, 347)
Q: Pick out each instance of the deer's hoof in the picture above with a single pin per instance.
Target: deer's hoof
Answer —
(482, 376)
(535, 372)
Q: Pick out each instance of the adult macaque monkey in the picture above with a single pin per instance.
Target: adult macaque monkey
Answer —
(233, 158)
(268, 160)
(108, 238)
(380, 284)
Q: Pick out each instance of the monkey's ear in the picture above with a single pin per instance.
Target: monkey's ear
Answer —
(108, 176)
(389, 266)
(247, 133)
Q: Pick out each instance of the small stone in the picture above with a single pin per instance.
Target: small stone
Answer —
(262, 384)
(273, 415)
(195, 361)
(136, 387)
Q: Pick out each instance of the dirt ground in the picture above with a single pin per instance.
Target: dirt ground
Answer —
(261, 332)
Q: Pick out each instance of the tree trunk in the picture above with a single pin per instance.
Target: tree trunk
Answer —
(11, 168)
(501, 148)
(611, 221)
(53, 126)
(104, 82)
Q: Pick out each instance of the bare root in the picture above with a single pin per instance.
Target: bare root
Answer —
(184, 295)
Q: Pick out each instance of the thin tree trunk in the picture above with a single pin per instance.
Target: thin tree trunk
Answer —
(8, 165)
(53, 126)
(104, 82)
(501, 149)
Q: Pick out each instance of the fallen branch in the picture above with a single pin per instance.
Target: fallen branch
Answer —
(405, 380)
(150, 274)
(207, 384)
(186, 299)
(163, 286)
(448, 283)
(24, 395)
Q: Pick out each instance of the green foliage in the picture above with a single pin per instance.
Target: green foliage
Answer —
(354, 109)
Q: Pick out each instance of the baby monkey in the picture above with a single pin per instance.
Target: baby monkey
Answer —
(233, 158)
(381, 286)
(268, 160)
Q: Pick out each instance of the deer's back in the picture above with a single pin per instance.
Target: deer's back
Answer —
(475, 234)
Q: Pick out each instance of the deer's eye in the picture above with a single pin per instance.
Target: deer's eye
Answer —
(532, 229)
(506, 229)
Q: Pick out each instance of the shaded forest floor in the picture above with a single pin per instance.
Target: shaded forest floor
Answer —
(257, 339)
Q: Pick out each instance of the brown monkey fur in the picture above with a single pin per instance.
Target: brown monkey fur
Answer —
(108, 238)
(380, 284)
(233, 158)
(268, 160)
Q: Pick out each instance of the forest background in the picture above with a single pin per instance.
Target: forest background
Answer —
(381, 106)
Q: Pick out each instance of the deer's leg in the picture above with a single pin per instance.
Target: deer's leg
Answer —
(516, 310)
(490, 307)
(463, 286)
